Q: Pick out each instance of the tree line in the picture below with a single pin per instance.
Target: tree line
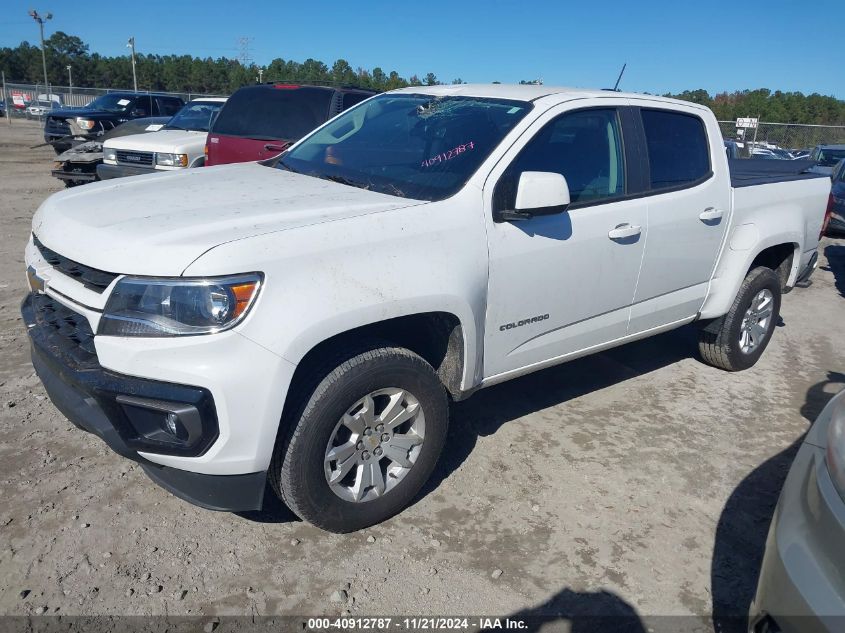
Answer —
(773, 106)
(182, 73)
(185, 73)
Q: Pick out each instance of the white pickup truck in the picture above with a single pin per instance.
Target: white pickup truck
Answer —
(178, 144)
(307, 319)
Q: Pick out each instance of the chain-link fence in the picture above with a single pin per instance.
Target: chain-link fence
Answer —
(20, 96)
(788, 136)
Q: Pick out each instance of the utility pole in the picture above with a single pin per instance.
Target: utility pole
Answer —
(131, 44)
(69, 79)
(41, 20)
(5, 99)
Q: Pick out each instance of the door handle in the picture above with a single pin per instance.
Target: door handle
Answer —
(709, 214)
(622, 231)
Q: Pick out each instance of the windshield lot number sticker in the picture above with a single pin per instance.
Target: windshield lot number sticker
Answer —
(449, 155)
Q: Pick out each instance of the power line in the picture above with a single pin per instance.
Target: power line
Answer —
(244, 56)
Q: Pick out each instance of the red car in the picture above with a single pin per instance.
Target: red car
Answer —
(260, 121)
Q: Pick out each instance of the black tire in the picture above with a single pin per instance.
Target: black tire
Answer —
(297, 470)
(719, 341)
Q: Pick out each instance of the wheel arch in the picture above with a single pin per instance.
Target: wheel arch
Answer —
(439, 337)
(781, 253)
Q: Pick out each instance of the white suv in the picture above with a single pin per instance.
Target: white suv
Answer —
(178, 144)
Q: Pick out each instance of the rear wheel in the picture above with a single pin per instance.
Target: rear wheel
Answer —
(737, 340)
(364, 443)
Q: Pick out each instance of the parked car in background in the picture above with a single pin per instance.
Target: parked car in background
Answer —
(836, 217)
(826, 157)
(766, 154)
(179, 144)
(782, 153)
(66, 127)
(800, 153)
(260, 121)
(2, 108)
(801, 587)
(41, 108)
(78, 165)
(732, 149)
(305, 320)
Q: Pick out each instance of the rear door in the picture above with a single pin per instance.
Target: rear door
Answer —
(688, 209)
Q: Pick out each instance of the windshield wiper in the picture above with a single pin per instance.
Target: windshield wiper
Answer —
(344, 181)
(287, 167)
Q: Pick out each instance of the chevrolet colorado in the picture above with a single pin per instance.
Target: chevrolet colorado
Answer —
(305, 320)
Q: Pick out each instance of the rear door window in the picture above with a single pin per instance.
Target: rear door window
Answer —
(274, 112)
(678, 151)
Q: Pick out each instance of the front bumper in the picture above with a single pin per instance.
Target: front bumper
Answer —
(127, 412)
(107, 172)
(801, 586)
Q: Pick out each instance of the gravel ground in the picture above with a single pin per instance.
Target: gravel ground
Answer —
(636, 481)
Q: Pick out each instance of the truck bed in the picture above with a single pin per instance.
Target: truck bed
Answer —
(749, 172)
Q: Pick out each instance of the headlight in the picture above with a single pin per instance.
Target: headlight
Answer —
(177, 307)
(85, 124)
(172, 160)
(836, 446)
(110, 154)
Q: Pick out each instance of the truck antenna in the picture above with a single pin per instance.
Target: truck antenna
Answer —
(618, 79)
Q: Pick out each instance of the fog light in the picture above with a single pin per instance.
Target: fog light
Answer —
(172, 423)
(163, 422)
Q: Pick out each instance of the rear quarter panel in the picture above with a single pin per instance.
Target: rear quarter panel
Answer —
(763, 216)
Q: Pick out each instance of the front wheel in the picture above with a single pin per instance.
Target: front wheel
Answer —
(737, 340)
(364, 443)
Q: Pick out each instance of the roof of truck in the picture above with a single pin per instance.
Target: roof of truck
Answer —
(530, 92)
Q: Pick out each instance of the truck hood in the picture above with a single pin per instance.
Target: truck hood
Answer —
(171, 141)
(159, 223)
(71, 113)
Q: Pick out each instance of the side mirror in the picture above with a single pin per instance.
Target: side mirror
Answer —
(538, 193)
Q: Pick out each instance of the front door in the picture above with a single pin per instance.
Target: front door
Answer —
(563, 283)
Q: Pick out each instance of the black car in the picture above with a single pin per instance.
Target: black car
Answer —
(65, 126)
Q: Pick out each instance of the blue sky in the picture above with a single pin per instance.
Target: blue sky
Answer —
(668, 46)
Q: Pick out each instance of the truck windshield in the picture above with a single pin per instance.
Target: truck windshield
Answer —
(416, 146)
(197, 116)
(110, 103)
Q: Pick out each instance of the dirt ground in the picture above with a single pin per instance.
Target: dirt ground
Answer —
(637, 481)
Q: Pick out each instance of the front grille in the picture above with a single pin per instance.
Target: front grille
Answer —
(134, 158)
(65, 333)
(57, 127)
(96, 280)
